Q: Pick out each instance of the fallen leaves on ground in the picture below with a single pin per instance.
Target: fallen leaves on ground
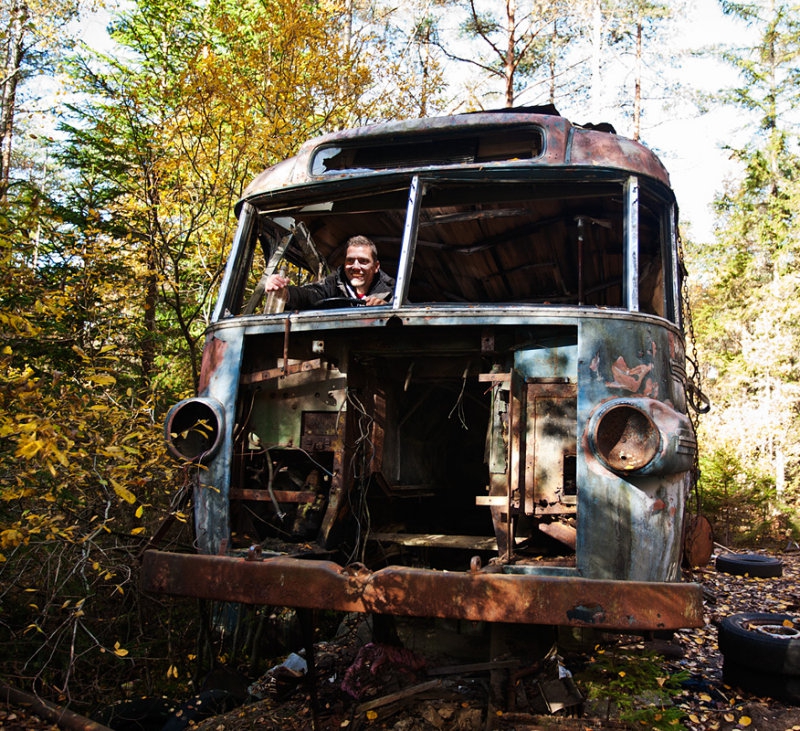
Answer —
(407, 699)
(714, 706)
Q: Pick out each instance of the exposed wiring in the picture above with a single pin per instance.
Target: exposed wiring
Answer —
(289, 447)
(244, 422)
(458, 407)
(281, 515)
(362, 468)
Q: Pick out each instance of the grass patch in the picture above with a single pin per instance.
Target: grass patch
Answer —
(636, 685)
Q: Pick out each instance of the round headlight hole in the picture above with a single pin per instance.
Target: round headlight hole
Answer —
(626, 438)
(194, 429)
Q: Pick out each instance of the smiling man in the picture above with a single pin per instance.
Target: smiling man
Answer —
(360, 278)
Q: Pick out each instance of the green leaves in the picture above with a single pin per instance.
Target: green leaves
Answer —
(748, 314)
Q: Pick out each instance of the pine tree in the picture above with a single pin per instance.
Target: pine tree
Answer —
(749, 313)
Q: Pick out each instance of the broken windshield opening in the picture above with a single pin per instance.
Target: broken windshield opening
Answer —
(546, 241)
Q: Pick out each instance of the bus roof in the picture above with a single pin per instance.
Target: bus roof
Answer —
(516, 138)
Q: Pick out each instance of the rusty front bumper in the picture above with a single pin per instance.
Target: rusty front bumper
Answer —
(401, 591)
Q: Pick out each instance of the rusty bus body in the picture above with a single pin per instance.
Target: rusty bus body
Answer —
(506, 441)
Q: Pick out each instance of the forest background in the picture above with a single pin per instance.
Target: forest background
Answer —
(120, 162)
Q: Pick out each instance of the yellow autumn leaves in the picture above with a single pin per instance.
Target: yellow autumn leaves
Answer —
(118, 650)
(742, 721)
(75, 446)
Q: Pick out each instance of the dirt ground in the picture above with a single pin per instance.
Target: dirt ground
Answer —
(461, 677)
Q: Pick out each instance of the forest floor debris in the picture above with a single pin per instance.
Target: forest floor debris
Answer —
(461, 701)
(440, 679)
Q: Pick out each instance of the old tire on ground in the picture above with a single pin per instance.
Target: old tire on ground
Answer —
(763, 643)
(752, 564)
(784, 688)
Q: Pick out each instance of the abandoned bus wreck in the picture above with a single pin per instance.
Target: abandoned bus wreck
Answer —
(507, 440)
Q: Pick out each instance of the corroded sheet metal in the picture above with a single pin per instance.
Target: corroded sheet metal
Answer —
(213, 356)
(565, 145)
(622, 364)
(600, 149)
(474, 595)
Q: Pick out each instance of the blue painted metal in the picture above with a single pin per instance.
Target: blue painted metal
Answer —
(211, 494)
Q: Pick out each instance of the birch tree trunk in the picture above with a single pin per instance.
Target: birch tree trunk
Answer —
(14, 54)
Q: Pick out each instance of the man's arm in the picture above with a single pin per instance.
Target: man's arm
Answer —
(305, 297)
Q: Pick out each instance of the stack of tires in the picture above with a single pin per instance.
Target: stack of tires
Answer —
(761, 652)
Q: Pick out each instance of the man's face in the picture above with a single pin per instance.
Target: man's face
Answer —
(360, 268)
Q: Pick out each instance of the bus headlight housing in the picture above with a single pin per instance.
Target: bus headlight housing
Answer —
(193, 429)
(641, 436)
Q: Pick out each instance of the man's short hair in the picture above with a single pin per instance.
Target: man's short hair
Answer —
(363, 241)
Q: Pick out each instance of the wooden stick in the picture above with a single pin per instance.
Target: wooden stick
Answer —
(399, 695)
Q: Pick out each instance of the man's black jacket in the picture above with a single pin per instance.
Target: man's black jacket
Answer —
(336, 285)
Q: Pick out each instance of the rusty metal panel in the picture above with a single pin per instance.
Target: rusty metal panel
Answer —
(213, 356)
(641, 515)
(596, 149)
(475, 595)
(565, 145)
(516, 450)
(320, 431)
(551, 437)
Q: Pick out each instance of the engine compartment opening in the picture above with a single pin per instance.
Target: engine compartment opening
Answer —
(400, 447)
